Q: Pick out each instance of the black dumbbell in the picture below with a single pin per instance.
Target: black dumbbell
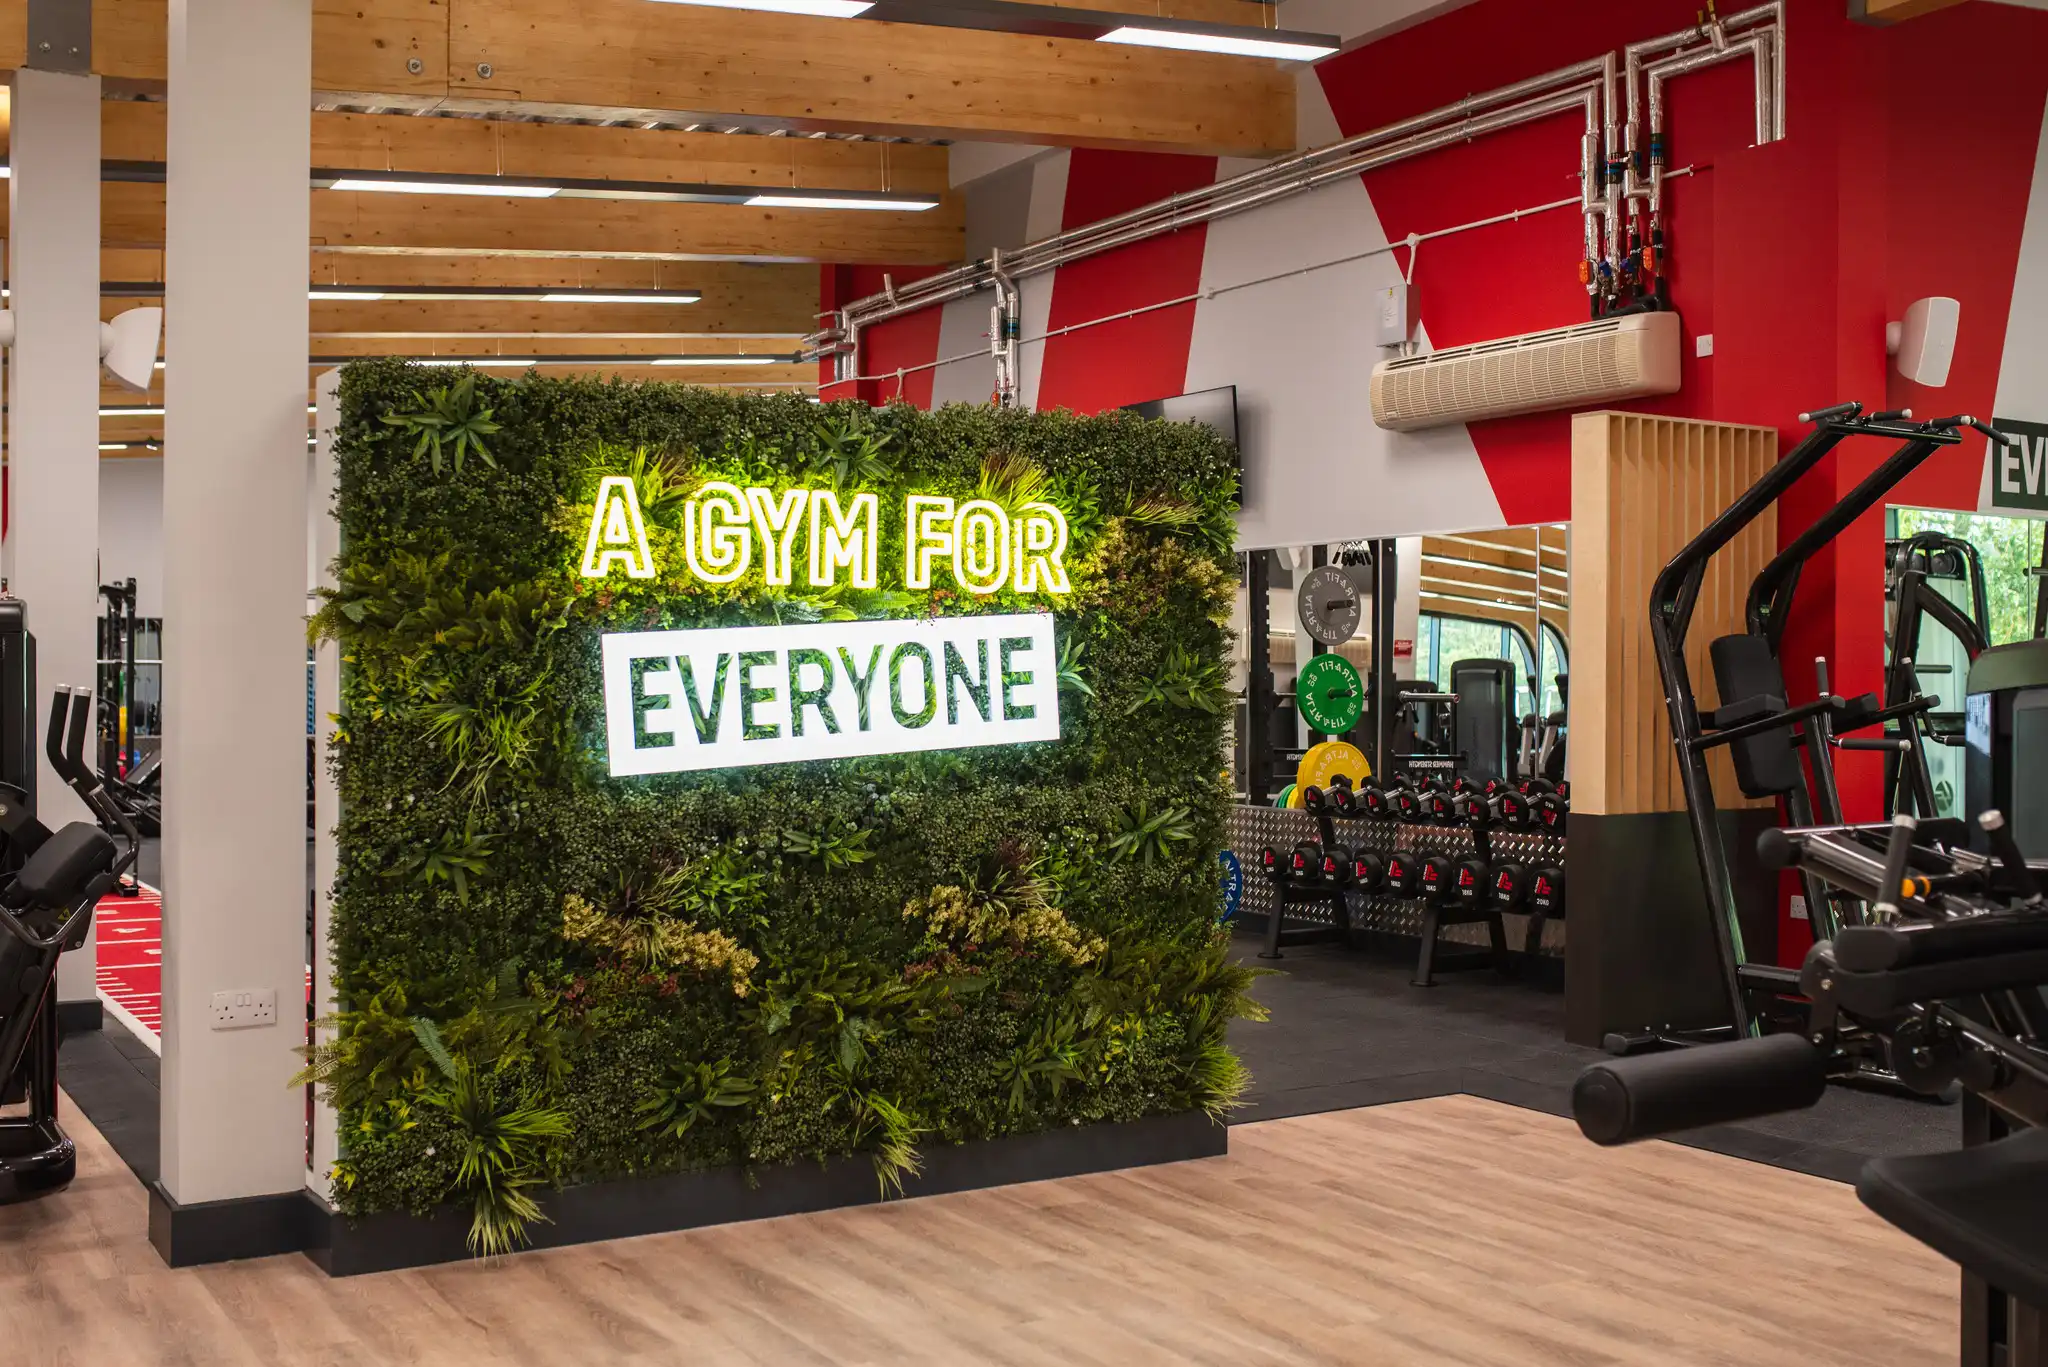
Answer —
(1312, 798)
(1373, 800)
(1516, 809)
(1510, 884)
(1472, 882)
(1368, 871)
(1550, 811)
(1272, 865)
(1414, 803)
(1400, 874)
(1546, 889)
(1337, 865)
(1433, 878)
(1305, 865)
(1472, 809)
(1442, 807)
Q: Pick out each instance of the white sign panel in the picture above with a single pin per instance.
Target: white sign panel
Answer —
(728, 697)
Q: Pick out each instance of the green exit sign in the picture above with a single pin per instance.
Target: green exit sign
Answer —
(2019, 469)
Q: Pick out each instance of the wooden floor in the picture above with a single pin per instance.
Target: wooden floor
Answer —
(1448, 1231)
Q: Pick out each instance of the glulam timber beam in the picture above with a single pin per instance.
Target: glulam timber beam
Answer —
(133, 130)
(740, 300)
(1895, 11)
(627, 59)
(132, 216)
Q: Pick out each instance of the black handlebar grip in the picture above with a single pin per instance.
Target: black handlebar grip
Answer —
(1898, 850)
(74, 766)
(1892, 415)
(1710, 1084)
(53, 740)
(1840, 410)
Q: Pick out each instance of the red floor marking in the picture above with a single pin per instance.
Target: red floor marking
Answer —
(131, 942)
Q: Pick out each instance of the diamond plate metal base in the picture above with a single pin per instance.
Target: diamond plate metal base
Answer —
(1253, 828)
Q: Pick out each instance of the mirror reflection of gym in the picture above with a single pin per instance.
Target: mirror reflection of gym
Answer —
(1470, 652)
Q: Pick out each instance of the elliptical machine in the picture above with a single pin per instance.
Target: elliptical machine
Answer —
(50, 881)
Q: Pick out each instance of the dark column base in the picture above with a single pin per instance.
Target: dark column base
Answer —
(75, 1017)
(220, 1231)
(1641, 952)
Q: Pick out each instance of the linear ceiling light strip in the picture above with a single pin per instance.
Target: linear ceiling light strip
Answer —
(568, 187)
(1059, 21)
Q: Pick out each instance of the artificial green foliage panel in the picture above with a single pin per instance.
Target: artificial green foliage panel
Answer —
(548, 975)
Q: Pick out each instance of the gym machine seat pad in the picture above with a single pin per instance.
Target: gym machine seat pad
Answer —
(1984, 1207)
(56, 874)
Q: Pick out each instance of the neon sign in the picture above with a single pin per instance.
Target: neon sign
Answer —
(731, 697)
(728, 530)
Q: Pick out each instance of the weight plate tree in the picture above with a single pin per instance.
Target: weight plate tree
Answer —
(1329, 605)
(1330, 694)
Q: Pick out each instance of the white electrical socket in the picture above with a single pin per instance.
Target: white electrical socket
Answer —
(243, 1007)
(1798, 907)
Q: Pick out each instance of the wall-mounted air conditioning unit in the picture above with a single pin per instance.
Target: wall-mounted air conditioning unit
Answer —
(1609, 358)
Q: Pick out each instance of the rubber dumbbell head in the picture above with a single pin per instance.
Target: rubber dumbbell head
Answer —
(1375, 801)
(1337, 865)
(1272, 865)
(1472, 882)
(1311, 798)
(1546, 890)
(1510, 884)
(1400, 874)
(1368, 871)
(1550, 812)
(1434, 877)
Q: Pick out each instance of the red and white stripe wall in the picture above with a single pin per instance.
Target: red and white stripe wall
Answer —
(1913, 166)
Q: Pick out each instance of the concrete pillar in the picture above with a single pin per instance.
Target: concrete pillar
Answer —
(53, 416)
(240, 75)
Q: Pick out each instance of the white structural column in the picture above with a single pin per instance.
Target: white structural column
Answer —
(235, 592)
(53, 432)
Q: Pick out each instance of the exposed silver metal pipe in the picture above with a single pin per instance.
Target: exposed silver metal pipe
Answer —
(1603, 198)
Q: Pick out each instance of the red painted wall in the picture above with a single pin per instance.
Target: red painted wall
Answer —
(1132, 359)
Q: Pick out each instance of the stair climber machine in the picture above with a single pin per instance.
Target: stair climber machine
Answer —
(50, 882)
(1763, 733)
(1943, 985)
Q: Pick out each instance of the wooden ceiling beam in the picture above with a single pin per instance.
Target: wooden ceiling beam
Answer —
(682, 63)
(1890, 11)
(133, 130)
(132, 216)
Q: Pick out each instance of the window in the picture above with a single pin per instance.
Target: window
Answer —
(1447, 640)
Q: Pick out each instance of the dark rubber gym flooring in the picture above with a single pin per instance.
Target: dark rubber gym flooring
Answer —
(1348, 1030)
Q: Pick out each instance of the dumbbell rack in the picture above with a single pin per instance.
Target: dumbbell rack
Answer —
(1290, 894)
(1341, 915)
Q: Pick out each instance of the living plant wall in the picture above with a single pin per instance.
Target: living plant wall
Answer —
(556, 962)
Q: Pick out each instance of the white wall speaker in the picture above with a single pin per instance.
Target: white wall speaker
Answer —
(1925, 342)
(128, 346)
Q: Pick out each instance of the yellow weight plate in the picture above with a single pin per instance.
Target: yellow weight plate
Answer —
(1325, 763)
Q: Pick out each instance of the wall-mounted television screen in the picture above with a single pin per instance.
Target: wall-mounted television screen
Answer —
(1215, 407)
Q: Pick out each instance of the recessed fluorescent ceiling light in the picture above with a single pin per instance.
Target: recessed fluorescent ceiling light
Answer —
(1236, 45)
(477, 360)
(823, 9)
(779, 200)
(513, 189)
(717, 360)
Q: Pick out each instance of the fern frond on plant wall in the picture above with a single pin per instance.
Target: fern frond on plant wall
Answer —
(549, 975)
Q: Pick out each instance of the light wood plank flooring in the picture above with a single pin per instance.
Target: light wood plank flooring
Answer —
(1449, 1231)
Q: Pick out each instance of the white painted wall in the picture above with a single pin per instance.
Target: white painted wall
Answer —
(132, 529)
(1316, 470)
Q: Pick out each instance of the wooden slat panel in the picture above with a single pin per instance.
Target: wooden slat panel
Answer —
(1642, 487)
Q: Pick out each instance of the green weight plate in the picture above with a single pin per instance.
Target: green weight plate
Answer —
(1286, 796)
(1330, 694)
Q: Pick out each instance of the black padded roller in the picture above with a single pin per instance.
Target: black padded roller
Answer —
(1710, 1084)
